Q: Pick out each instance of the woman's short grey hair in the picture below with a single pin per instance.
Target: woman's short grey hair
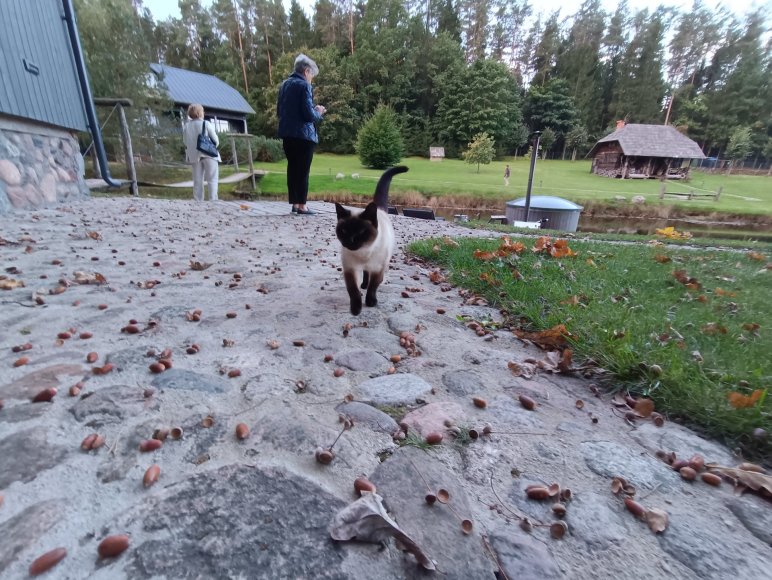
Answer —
(303, 63)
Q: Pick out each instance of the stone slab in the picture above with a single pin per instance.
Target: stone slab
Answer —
(238, 522)
(25, 454)
(189, 380)
(397, 389)
(434, 528)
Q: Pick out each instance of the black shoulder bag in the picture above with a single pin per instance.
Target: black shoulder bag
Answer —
(205, 143)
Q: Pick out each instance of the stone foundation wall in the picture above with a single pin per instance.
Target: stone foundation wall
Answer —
(39, 165)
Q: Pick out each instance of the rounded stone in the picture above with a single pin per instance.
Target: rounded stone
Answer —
(9, 172)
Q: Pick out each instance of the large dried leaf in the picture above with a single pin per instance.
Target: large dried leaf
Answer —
(686, 280)
(657, 520)
(740, 401)
(484, 255)
(89, 278)
(671, 233)
(758, 482)
(507, 246)
(522, 369)
(198, 265)
(554, 337)
(560, 249)
(11, 284)
(366, 520)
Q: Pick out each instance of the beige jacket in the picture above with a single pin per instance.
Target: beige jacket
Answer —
(190, 134)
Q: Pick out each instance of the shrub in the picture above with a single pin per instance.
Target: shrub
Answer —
(379, 142)
(263, 149)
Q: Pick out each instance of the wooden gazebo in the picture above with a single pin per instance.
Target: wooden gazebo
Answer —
(644, 152)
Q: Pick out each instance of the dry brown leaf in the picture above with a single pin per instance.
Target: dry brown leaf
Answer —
(661, 258)
(727, 293)
(686, 280)
(619, 400)
(713, 328)
(740, 401)
(448, 241)
(89, 278)
(11, 284)
(560, 249)
(753, 480)
(523, 369)
(551, 338)
(644, 407)
(657, 520)
(94, 235)
(366, 520)
(199, 265)
(484, 255)
(564, 366)
(759, 257)
(436, 277)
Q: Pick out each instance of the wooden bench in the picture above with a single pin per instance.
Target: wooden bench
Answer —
(498, 219)
(424, 214)
(690, 194)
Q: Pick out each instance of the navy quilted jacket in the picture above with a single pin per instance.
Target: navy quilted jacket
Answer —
(295, 108)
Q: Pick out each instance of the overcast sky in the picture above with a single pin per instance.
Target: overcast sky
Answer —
(162, 9)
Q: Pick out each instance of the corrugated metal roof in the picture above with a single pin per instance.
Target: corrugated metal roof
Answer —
(39, 78)
(653, 141)
(186, 87)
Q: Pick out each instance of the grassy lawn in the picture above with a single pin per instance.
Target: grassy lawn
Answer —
(455, 179)
(687, 349)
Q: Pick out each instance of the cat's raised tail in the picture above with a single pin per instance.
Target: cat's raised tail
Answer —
(381, 197)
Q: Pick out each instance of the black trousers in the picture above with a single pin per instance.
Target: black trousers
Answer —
(299, 155)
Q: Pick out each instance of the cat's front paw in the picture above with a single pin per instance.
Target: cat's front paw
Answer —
(356, 308)
(371, 301)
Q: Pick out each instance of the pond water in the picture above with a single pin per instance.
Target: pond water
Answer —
(639, 225)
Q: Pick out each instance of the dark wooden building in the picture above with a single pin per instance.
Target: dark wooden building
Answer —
(644, 152)
(223, 105)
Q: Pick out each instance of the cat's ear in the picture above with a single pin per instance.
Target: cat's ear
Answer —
(342, 212)
(370, 214)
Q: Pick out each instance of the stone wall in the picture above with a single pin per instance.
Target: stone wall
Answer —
(39, 165)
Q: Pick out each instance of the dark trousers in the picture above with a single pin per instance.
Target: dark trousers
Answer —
(299, 155)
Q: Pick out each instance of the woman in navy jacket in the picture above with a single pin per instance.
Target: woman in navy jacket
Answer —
(297, 115)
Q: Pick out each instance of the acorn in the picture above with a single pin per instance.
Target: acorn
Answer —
(527, 402)
(479, 403)
(151, 475)
(150, 445)
(711, 479)
(363, 484)
(434, 438)
(242, 431)
(635, 508)
(44, 396)
(324, 456)
(688, 473)
(537, 492)
(112, 546)
(47, 561)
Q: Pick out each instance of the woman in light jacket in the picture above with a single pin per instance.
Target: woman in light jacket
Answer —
(205, 168)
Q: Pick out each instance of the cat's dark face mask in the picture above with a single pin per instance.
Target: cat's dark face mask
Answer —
(354, 232)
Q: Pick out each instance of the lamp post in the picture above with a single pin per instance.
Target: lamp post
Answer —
(534, 154)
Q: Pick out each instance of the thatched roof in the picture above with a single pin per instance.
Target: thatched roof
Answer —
(653, 141)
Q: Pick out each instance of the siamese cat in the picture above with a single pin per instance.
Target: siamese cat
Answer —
(368, 242)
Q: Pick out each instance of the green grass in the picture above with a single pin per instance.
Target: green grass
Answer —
(634, 318)
(572, 180)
